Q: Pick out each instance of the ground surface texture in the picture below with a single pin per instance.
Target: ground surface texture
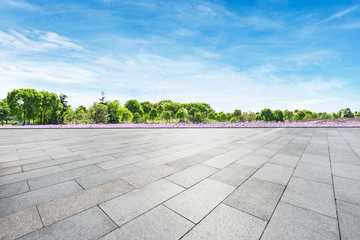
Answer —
(281, 183)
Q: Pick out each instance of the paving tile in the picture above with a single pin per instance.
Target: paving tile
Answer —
(285, 160)
(234, 174)
(90, 224)
(61, 208)
(121, 162)
(256, 197)
(10, 170)
(347, 190)
(157, 224)
(192, 175)
(346, 170)
(64, 176)
(189, 161)
(156, 161)
(147, 176)
(29, 199)
(82, 163)
(13, 189)
(18, 224)
(227, 223)
(107, 176)
(129, 206)
(253, 160)
(349, 218)
(26, 161)
(221, 161)
(348, 158)
(197, 201)
(43, 164)
(274, 173)
(300, 191)
(291, 222)
(315, 159)
(313, 172)
(17, 177)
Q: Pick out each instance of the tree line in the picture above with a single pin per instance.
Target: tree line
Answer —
(28, 106)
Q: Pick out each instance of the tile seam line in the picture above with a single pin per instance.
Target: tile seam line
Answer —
(272, 214)
(297, 134)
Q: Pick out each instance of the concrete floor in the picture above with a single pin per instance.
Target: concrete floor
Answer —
(180, 183)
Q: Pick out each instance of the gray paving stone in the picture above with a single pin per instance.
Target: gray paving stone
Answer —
(150, 175)
(52, 179)
(24, 162)
(197, 201)
(300, 191)
(157, 224)
(346, 170)
(121, 162)
(156, 161)
(17, 177)
(234, 174)
(192, 175)
(227, 223)
(43, 164)
(129, 206)
(61, 208)
(315, 159)
(349, 218)
(274, 173)
(347, 190)
(221, 161)
(29, 199)
(290, 222)
(82, 163)
(107, 176)
(13, 189)
(189, 161)
(253, 160)
(90, 224)
(18, 224)
(313, 172)
(256, 197)
(285, 160)
(10, 170)
(349, 158)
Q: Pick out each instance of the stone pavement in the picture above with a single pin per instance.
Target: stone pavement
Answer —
(180, 183)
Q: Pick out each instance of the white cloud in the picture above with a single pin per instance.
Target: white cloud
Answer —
(340, 14)
(20, 4)
(35, 41)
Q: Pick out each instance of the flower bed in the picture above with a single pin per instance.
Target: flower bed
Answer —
(258, 124)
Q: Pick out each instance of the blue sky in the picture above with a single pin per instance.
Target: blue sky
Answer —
(232, 54)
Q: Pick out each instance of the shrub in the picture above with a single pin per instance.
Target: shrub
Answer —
(166, 115)
(126, 115)
(211, 116)
(181, 115)
(153, 114)
(136, 118)
(198, 117)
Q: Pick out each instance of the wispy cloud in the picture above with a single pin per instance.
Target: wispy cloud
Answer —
(35, 41)
(340, 14)
(21, 5)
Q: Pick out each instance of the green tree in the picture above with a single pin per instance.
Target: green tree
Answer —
(193, 111)
(288, 115)
(24, 103)
(134, 106)
(99, 113)
(267, 115)
(146, 106)
(221, 117)
(181, 115)
(4, 111)
(198, 117)
(64, 106)
(136, 118)
(173, 107)
(299, 115)
(102, 99)
(153, 114)
(160, 109)
(166, 115)
(279, 116)
(347, 113)
(114, 111)
(126, 115)
(211, 116)
(49, 104)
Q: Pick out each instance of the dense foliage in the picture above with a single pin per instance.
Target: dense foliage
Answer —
(28, 106)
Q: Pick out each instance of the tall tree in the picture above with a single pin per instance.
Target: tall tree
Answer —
(64, 106)
(4, 111)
